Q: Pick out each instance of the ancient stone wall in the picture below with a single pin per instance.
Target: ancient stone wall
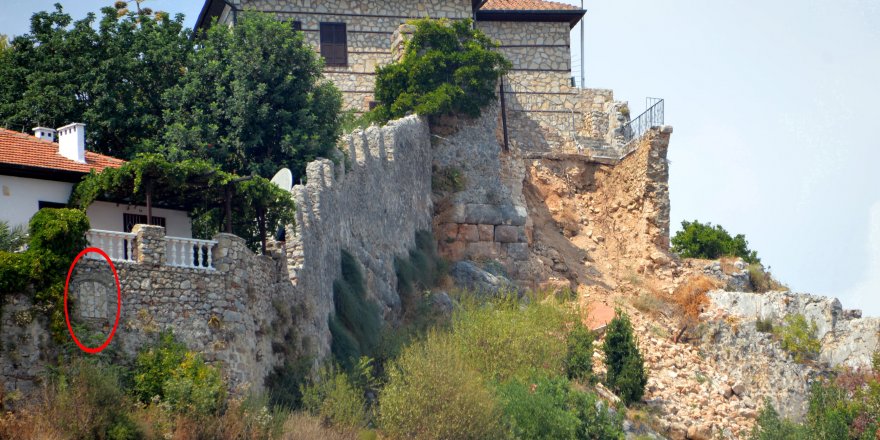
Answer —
(371, 203)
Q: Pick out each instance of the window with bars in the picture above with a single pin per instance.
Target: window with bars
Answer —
(129, 220)
(334, 44)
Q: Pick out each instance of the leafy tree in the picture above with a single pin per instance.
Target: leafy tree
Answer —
(799, 337)
(698, 240)
(109, 76)
(626, 370)
(772, 427)
(252, 100)
(447, 67)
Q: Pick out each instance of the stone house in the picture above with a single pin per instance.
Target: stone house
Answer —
(542, 111)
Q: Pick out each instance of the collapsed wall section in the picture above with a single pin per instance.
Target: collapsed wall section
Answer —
(371, 203)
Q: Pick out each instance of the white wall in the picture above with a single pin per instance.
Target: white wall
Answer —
(20, 197)
(108, 216)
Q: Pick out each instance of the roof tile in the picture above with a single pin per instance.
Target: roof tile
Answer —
(26, 150)
(526, 5)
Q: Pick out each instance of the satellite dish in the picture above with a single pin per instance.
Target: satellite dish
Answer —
(284, 179)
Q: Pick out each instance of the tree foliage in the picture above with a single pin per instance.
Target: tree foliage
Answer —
(253, 100)
(108, 73)
(626, 368)
(447, 67)
(699, 240)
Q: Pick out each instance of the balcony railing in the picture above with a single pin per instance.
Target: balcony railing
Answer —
(117, 245)
(179, 252)
(652, 117)
(189, 252)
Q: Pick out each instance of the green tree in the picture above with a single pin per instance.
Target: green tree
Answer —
(109, 76)
(579, 357)
(699, 240)
(253, 100)
(447, 67)
(626, 370)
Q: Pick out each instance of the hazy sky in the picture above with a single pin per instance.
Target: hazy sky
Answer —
(775, 109)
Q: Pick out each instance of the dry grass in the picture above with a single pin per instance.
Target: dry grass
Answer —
(302, 426)
(691, 296)
(763, 281)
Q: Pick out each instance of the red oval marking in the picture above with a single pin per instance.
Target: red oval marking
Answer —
(82, 347)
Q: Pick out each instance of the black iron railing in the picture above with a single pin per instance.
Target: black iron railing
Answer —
(638, 126)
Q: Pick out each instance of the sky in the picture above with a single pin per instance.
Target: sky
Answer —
(775, 113)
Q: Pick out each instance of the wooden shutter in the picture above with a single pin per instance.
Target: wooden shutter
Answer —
(334, 44)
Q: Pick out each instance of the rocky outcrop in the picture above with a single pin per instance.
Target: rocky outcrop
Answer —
(847, 338)
(469, 276)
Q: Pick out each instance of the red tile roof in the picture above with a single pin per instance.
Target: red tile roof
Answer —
(28, 151)
(526, 5)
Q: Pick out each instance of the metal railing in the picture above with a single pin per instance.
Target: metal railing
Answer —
(652, 117)
(189, 252)
(117, 245)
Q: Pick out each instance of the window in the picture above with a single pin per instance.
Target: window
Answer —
(129, 220)
(41, 204)
(296, 25)
(334, 44)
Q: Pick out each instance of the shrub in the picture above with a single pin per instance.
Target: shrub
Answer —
(447, 67)
(432, 393)
(691, 296)
(548, 408)
(579, 356)
(336, 399)
(62, 232)
(168, 371)
(625, 367)
(798, 337)
(284, 384)
(764, 325)
(12, 238)
(771, 427)
(449, 179)
(698, 240)
(505, 339)
(762, 280)
(356, 325)
(539, 408)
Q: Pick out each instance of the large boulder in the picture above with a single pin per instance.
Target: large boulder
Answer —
(469, 276)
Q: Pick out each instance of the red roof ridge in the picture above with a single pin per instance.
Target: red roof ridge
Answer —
(527, 5)
(24, 150)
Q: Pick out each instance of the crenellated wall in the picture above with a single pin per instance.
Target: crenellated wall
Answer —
(371, 204)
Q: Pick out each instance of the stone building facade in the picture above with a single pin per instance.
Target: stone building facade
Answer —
(543, 111)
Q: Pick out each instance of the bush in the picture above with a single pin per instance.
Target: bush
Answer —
(336, 399)
(168, 371)
(62, 232)
(625, 367)
(762, 280)
(284, 384)
(548, 408)
(698, 240)
(798, 337)
(579, 357)
(507, 339)
(691, 296)
(764, 325)
(447, 67)
(771, 427)
(356, 326)
(433, 393)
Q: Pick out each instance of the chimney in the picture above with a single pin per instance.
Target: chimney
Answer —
(46, 134)
(72, 142)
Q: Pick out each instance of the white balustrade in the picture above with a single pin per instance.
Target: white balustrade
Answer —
(117, 245)
(189, 252)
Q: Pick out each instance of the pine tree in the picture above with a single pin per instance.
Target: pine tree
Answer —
(626, 370)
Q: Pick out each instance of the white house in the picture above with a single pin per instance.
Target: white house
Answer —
(39, 171)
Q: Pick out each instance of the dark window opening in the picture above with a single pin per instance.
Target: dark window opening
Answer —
(296, 25)
(334, 44)
(54, 205)
(372, 105)
(129, 220)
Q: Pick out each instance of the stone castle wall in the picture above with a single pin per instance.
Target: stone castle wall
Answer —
(371, 204)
